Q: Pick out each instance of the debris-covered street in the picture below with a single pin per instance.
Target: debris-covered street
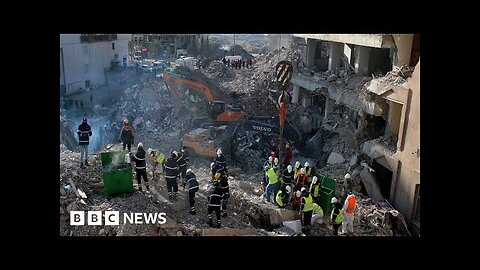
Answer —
(213, 104)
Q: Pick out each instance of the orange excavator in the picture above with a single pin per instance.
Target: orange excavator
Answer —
(217, 110)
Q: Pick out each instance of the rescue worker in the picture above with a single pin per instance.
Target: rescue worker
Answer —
(287, 176)
(315, 189)
(126, 135)
(220, 160)
(157, 158)
(317, 214)
(310, 171)
(296, 200)
(347, 181)
(272, 186)
(296, 168)
(276, 166)
(269, 162)
(192, 188)
(306, 209)
(182, 168)
(300, 179)
(283, 197)
(288, 155)
(216, 168)
(265, 178)
(186, 156)
(171, 174)
(336, 217)
(214, 205)
(224, 187)
(84, 132)
(140, 166)
(349, 210)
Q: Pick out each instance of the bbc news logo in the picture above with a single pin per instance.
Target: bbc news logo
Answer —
(77, 218)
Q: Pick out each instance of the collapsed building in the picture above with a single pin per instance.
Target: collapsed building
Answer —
(364, 90)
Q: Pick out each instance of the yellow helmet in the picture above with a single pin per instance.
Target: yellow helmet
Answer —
(218, 175)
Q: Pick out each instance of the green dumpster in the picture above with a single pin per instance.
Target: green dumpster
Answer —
(327, 191)
(116, 173)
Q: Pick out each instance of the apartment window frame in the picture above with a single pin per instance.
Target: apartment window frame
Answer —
(113, 46)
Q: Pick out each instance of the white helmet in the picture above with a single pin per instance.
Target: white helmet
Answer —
(307, 164)
(302, 171)
(347, 176)
(212, 164)
(219, 152)
(297, 164)
(275, 161)
(315, 179)
(189, 171)
(334, 200)
(303, 189)
(140, 145)
(150, 151)
(298, 193)
(270, 159)
(289, 168)
(175, 153)
(288, 189)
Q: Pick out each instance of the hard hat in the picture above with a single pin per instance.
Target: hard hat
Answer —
(125, 121)
(189, 171)
(298, 193)
(303, 189)
(212, 164)
(334, 200)
(350, 193)
(315, 179)
(175, 153)
(140, 145)
(219, 151)
(347, 176)
(289, 168)
(183, 150)
(275, 161)
(84, 119)
(218, 175)
(150, 151)
(287, 146)
(297, 164)
(266, 168)
(288, 189)
(270, 159)
(307, 164)
(302, 170)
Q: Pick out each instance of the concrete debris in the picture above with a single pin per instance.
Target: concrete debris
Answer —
(335, 158)
(295, 225)
(398, 76)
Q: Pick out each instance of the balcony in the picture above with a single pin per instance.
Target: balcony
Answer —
(89, 38)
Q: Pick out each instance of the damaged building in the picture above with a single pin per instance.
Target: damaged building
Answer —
(361, 86)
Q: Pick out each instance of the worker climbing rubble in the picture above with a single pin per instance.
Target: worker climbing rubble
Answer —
(192, 189)
(214, 204)
(283, 196)
(221, 161)
(157, 158)
(140, 166)
(222, 178)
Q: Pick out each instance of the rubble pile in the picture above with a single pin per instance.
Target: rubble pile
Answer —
(378, 218)
(239, 50)
(219, 71)
(398, 76)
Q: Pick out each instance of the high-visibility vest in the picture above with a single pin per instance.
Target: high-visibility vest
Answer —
(278, 199)
(309, 172)
(317, 209)
(339, 217)
(160, 158)
(308, 203)
(315, 189)
(272, 176)
(351, 204)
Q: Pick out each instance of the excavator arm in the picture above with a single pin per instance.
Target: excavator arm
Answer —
(173, 80)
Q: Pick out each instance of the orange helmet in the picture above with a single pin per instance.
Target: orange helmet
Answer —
(218, 175)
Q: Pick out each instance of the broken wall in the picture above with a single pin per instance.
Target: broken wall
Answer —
(408, 173)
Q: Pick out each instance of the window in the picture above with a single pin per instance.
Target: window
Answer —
(113, 45)
(85, 49)
(86, 68)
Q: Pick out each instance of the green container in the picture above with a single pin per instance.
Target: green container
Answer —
(327, 191)
(116, 173)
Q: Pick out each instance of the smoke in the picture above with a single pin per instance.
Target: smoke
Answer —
(98, 138)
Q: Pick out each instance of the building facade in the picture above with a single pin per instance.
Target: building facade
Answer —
(86, 58)
(375, 78)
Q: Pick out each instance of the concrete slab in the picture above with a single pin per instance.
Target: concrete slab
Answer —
(277, 216)
(335, 158)
(295, 225)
